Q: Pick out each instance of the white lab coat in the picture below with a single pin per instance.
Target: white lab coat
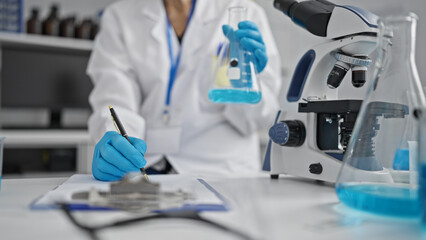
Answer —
(130, 67)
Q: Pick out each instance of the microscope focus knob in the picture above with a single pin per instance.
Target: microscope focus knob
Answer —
(290, 133)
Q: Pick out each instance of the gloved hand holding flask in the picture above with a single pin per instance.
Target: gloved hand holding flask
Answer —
(250, 39)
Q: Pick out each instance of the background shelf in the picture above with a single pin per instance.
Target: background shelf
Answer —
(45, 137)
(40, 41)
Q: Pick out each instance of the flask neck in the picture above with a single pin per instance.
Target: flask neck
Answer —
(402, 55)
(237, 15)
(404, 37)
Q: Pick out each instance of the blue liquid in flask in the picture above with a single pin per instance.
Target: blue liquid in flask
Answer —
(402, 160)
(382, 199)
(422, 193)
(234, 96)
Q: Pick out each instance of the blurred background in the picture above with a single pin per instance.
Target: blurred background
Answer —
(44, 49)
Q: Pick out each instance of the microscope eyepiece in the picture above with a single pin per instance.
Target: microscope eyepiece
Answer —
(311, 15)
(285, 5)
(337, 74)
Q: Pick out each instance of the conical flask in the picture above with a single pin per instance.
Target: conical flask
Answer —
(379, 168)
(234, 77)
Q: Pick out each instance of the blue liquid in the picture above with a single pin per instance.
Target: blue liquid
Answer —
(234, 96)
(422, 192)
(381, 199)
(401, 160)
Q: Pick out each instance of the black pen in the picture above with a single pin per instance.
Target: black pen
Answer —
(123, 133)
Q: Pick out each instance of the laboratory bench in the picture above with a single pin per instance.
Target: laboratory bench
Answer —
(287, 208)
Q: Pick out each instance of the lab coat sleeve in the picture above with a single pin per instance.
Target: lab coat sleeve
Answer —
(115, 81)
(247, 119)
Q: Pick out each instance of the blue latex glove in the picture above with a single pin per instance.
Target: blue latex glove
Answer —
(251, 40)
(114, 157)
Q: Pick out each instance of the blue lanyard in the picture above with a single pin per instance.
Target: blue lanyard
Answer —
(174, 65)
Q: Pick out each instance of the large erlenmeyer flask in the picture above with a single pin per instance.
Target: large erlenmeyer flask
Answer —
(379, 169)
(234, 78)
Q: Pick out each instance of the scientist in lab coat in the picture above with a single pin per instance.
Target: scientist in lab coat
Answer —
(132, 67)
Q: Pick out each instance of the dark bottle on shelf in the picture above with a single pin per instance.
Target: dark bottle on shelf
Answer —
(67, 27)
(94, 30)
(51, 23)
(33, 23)
(83, 30)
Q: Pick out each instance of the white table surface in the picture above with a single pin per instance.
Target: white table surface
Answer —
(287, 208)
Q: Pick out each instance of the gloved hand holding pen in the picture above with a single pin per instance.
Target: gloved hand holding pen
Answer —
(251, 40)
(114, 156)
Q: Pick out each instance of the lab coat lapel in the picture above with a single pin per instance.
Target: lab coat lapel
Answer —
(204, 14)
(154, 10)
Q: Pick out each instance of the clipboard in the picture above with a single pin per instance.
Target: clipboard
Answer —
(208, 198)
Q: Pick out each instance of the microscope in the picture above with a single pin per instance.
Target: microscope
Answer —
(313, 129)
